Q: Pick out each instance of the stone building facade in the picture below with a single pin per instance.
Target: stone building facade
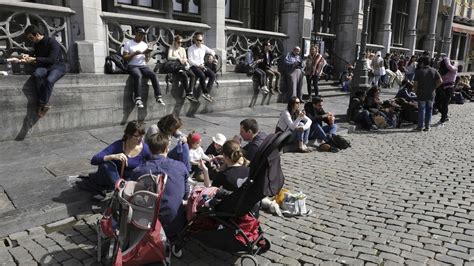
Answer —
(89, 30)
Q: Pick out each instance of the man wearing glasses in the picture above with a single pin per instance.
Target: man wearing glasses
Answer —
(136, 52)
(48, 60)
(196, 54)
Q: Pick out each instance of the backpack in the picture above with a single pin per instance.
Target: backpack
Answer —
(339, 142)
(115, 64)
(172, 66)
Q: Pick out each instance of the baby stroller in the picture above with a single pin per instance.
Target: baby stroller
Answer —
(130, 223)
(225, 222)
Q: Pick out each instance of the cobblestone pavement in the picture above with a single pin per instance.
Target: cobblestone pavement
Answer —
(395, 197)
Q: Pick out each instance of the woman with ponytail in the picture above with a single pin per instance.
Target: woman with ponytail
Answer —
(234, 171)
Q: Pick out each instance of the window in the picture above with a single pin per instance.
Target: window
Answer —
(187, 6)
(399, 27)
(155, 4)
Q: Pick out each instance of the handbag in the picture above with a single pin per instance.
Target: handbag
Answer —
(294, 204)
(380, 121)
(172, 66)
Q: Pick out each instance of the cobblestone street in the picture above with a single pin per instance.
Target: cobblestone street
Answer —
(395, 197)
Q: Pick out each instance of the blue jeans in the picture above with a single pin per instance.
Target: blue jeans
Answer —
(425, 110)
(364, 119)
(201, 75)
(137, 72)
(181, 153)
(321, 132)
(107, 174)
(45, 79)
(302, 136)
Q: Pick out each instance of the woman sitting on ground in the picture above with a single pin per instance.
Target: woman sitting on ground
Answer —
(360, 116)
(177, 52)
(169, 125)
(294, 119)
(233, 173)
(126, 153)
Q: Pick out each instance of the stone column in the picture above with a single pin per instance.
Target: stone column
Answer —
(88, 31)
(347, 34)
(410, 40)
(385, 33)
(430, 42)
(446, 49)
(296, 22)
(213, 14)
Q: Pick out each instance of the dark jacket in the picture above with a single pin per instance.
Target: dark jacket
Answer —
(252, 147)
(315, 116)
(355, 107)
(172, 211)
(48, 53)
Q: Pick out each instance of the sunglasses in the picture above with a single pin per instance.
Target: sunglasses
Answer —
(198, 40)
(179, 42)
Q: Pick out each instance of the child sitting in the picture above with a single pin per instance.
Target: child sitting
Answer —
(196, 154)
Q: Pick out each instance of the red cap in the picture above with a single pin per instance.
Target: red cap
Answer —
(195, 137)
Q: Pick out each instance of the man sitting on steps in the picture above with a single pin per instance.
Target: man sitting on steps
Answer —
(314, 110)
(136, 52)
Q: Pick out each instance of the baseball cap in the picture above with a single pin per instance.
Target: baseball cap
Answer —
(140, 30)
(219, 139)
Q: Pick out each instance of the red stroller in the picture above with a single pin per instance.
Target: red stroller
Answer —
(131, 223)
(226, 222)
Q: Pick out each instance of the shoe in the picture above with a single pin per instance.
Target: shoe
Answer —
(90, 186)
(207, 97)
(374, 128)
(159, 100)
(418, 129)
(191, 98)
(427, 129)
(263, 89)
(42, 110)
(139, 103)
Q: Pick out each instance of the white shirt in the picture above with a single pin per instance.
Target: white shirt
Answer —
(286, 122)
(197, 154)
(131, 47)
(196, 54)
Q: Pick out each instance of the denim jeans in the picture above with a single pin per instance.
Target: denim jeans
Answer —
(137, 72)
(45, 79)
(425, 109)
(312, 81)
(321, 132)
(106, 176)
(302, 136)
(201, 75)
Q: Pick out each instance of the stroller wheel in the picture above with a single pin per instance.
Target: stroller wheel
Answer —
(247, 260)
(177, 252)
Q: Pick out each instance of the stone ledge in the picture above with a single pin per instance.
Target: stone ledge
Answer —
(84, 101)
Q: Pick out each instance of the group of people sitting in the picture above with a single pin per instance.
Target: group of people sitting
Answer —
(141, 151)
(422, 94)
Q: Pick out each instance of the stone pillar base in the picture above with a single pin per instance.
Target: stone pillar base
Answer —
(91, 56)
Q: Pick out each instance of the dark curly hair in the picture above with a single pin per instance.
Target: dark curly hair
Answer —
(169, 124)
(132, 127)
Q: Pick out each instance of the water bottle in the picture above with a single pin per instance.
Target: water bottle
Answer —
(9, 68)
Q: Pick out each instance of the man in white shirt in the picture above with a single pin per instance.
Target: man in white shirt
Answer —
(196, 55)
(136, 52)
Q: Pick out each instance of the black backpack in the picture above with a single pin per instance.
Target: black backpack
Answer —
(115, 64)
(339, 142)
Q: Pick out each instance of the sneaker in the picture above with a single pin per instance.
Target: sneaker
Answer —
(139, 103)
(263, 89)
(191, 98)
(418, 129)
(207, 97)
(427, 129)
(159, 100)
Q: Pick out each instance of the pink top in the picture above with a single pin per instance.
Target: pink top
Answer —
(450, 77)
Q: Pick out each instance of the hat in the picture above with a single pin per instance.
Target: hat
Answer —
(378, 53)
(219, 139)
(140, 30)
(195, 137)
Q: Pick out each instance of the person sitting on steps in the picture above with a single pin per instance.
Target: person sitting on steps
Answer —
(196, 54)
(253, 60)
(136, 52)
(177, 52)
(322, 134)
